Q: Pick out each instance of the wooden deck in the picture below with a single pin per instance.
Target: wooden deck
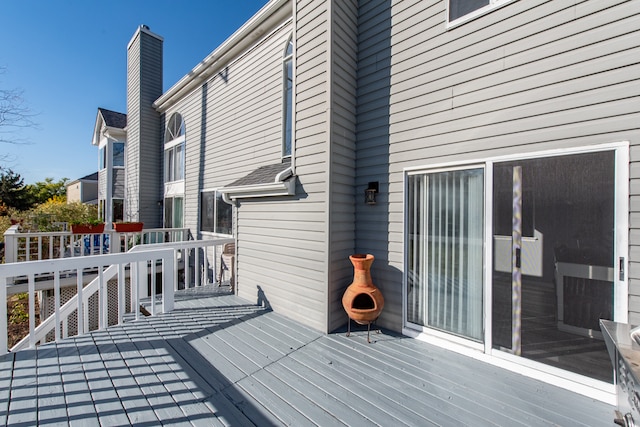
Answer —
(221, 360)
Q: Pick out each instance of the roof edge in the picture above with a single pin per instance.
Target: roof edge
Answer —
(271, 14)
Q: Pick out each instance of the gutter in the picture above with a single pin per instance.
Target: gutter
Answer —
(266, 18)
(282, 186)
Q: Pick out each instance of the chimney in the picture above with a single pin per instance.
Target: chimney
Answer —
(143, 182)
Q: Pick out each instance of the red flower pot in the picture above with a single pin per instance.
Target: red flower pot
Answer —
(87, 228)
(127, 227)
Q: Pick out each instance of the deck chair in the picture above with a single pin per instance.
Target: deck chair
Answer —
(227, 263)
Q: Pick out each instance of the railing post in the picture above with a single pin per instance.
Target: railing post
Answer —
(80, 312)
(32, 310)
(11, 244)
(121, 292)
(168, 265)
(4, 330)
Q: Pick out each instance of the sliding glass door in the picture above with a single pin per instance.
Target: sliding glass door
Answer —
(536, 258)
(445, 251)
(553, 259)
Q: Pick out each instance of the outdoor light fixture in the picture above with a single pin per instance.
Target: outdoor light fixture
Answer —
(370, 193)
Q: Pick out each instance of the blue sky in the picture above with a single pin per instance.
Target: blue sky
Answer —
(69, 58)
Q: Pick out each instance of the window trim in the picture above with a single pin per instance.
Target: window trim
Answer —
(216, 191)
(287, 98)
(124, 154)
(172, 145)
(493, 4)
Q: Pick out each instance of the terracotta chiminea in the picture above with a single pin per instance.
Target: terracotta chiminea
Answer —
(362, 300)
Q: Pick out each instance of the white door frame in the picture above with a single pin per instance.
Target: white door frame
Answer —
(587, 386)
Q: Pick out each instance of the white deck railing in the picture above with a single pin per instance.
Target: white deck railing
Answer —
(196, 258)
(31, 246)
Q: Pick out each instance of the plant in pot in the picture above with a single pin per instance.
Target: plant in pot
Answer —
(87, 226)
(127, 227)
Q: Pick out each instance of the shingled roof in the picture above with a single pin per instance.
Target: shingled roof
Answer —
(113, 118)
(262, 175)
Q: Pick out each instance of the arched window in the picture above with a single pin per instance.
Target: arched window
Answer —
(174, 145)
(287, 101)
(174, 149)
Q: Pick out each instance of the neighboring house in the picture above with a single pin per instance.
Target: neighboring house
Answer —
(83, 190)
(502, 138)
(110, 136)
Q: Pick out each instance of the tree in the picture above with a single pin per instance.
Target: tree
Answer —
(14, 115)
(13, 192)
(42, 191)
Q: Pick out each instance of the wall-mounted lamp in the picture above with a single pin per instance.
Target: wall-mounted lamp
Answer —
(370, 193)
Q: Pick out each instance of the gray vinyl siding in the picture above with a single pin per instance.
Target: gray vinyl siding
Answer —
(233, 126)
(529, 76)
(341, 193)
(373, 145)
(102, 184)
(144, 152)
(118, 183)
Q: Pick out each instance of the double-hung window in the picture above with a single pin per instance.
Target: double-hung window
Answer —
(216, 215)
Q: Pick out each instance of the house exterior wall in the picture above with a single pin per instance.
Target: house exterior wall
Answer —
(103, 177)
(118, 183)
(89, 191)
(73, 192)
(143, 149)
(341, 192)
(234, 125)
(528, 76)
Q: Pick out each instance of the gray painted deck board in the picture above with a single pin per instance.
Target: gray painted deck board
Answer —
(219, 360)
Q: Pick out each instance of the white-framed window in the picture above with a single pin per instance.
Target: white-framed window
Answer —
(459, 11)
(118, 210)
(174, 143)
(216, 215)
(102, 157)
(287, 98)
(174, 212)
(118, 154)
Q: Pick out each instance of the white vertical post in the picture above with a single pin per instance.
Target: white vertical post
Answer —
(196, 267)
(56, 297)
(153, 286)
(143, 290)
(187, 270)
(10, 245)
(32, 310)
(80, 301)
(4, 331)
(206, 265)
(134, 279)
(121, 292)
(168, 265)
(103, 296)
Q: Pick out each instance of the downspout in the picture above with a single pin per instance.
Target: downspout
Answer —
(294, 23)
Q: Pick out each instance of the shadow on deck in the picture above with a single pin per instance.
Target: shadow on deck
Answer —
(221, 360)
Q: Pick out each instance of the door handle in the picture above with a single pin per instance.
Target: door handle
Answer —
(621, 275)
(518, 262)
